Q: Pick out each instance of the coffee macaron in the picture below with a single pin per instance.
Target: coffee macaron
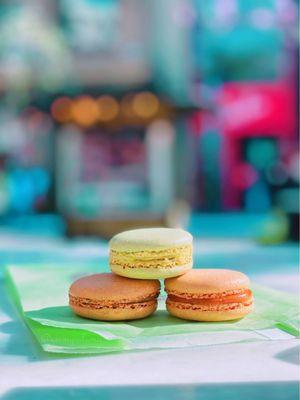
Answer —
(109, 297)
(153, 253)
(209, 295)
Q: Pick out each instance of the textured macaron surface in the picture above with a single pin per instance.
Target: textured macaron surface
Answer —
(150, 239)
(200, 282)
(110, 288)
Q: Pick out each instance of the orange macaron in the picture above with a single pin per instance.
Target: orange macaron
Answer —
(109, 297)
(209, 295)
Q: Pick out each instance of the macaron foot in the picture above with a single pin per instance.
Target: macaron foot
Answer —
(151, 273)
(208, 316)
(128, 313)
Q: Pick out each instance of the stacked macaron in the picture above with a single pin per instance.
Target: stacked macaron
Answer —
(209, 295)
(154, 253)
(138, 258)
(109, 297)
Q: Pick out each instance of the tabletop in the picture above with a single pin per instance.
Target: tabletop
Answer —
(26, 371)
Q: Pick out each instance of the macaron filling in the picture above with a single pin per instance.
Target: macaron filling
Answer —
(165, 258)
(214, 301)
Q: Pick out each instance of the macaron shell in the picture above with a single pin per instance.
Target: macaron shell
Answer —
(206, 281)
(151, 273)
(208, 316)
(150, 238)
(113, 287)
(130, 312)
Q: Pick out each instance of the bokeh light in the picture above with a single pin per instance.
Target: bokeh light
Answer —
(244, 176)
(145, 105)
(108, 108)
(61, 109)
(85, 111)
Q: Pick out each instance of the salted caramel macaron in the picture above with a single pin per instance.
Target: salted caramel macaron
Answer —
(109, 297)
(153, 253)
(209, 295)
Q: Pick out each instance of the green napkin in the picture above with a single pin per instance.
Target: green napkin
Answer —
(42, 295)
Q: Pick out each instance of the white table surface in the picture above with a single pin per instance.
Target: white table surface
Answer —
(23, 364)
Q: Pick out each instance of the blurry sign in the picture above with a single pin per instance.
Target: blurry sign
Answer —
(251, 109)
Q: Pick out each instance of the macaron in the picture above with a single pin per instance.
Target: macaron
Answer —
(209, 295)
(109, 297)
(153, 253)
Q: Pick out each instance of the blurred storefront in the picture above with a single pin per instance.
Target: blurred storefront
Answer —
(128, 113)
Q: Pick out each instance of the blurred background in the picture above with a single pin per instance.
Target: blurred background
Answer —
(117, 114)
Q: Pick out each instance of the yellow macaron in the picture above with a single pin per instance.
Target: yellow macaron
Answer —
(151, 253)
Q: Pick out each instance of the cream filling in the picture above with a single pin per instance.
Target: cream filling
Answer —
(166, 258)
(211, 308)
(225, 301)
(207, 296)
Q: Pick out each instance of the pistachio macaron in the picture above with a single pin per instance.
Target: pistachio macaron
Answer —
(152, 253)
(109, 297)
(209, 295)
